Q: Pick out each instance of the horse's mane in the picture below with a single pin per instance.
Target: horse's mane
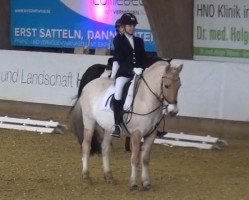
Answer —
(158, 64)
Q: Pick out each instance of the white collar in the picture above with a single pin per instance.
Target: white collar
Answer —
(130, 39)
(129, 36)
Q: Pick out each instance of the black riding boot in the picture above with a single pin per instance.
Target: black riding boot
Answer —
(117, 109)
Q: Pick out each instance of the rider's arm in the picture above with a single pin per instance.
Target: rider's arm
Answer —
(115, 67)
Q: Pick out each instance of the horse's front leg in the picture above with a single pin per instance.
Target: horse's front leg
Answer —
(106, 144)
(145, 159)
(135, 158)
(86, 147)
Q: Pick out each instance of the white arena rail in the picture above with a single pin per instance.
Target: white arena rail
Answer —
(187, 140)
(28, 124)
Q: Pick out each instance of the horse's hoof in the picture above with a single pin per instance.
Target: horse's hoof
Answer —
(110, 181)
(146, 187)
(109, 178)
(88, 181)
(85, 175)
(134, 188)
(86, 178)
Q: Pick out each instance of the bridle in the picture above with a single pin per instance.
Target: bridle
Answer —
(174, 79)
(161, 98)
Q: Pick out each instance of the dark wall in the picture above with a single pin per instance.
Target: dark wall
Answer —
(5, 24)
(171, 23)
(172, 26)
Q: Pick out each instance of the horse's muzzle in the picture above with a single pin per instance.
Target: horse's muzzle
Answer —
(172, 110)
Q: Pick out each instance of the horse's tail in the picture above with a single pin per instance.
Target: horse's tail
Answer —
(77, 121)
(78, 129)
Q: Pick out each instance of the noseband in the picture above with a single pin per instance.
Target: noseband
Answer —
(162, 93)
(161, 97)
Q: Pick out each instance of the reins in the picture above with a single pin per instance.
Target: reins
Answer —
(143, 114)
(135, 92)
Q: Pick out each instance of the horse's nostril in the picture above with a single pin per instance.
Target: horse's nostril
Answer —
(172, 114)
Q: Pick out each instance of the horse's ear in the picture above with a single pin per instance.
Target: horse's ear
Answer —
(179, 68)
(167, 68)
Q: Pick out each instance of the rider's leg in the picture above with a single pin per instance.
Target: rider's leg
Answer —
(117, 104)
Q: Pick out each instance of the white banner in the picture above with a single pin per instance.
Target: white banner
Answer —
(214, 90)
(221, 30)
(49, 78)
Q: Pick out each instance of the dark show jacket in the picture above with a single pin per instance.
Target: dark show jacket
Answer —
(115, 40)
(127, 57)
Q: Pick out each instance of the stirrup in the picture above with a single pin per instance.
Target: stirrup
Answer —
(117, 131)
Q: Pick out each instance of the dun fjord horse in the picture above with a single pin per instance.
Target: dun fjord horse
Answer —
(157, 91)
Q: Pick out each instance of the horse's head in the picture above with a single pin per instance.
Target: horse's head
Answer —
(170, 85)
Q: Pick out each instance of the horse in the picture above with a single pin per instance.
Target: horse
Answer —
(101, 70)
(156, 95)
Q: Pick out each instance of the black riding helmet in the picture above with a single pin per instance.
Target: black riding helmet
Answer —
(118, 23)
(128, 19)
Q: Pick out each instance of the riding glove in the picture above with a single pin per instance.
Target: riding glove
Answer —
(138, 71)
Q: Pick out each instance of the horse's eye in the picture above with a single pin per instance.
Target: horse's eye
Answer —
(166, 86)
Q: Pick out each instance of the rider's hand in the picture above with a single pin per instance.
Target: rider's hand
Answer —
(137, 70)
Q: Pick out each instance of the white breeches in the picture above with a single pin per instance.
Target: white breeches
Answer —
(119, 85)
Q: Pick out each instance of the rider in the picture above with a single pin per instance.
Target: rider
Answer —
(119, 32)
(130, 54)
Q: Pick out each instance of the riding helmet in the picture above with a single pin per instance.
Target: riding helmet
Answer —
(118, 23)
(128, 19)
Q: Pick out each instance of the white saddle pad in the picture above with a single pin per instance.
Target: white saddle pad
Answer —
(106, 102)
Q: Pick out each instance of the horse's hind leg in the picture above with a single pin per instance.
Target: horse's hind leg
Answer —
(145, 159)
(86, 147)
(127, 144)
(135, 157)
(106, 144)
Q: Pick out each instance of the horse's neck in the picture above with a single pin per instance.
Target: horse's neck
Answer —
(153, 78)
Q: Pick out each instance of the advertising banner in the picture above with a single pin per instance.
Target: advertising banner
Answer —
(74, 23)
(38, 77)
(221, 30)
